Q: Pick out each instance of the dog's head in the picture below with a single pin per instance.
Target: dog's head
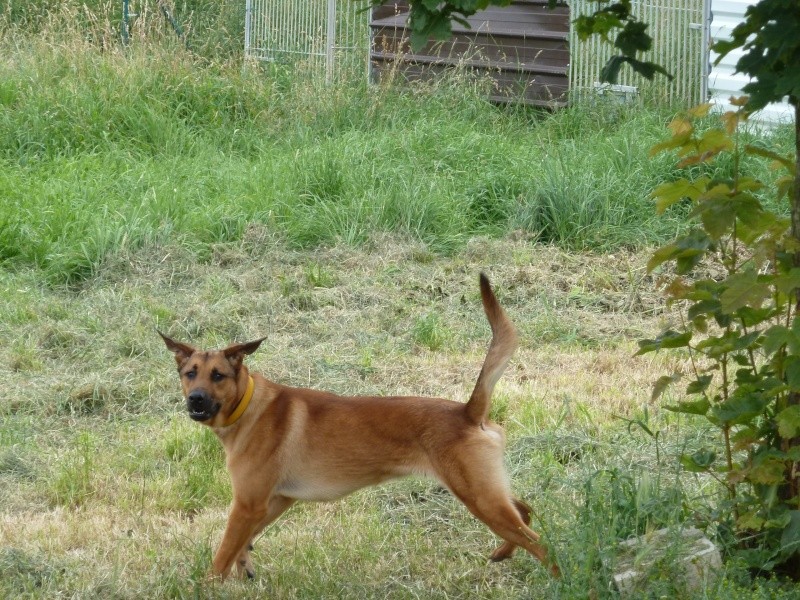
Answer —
(213, 382)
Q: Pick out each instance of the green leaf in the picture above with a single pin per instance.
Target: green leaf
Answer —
(687, 251)
(750, 520)
(699, 385)
(699, 462)
(697, 407)
(786, 161)
(717, 216)
(704, 307)
(744, 438)
(788, 421)
(790, 538)
(780, 521)
(746, 375)
(610, 71)
(714, 140)
(770, 471)
(633, 38)
(740, 409)
(775, 337)
(668, 339)
(791, 368)
(784, 186)
(648, 69)
(755, 316)
(730, 341)
(662, 384)
(700, 324)
(789, 282)
(744, 289)
(668, 194)
(746, 341)
(753, 221)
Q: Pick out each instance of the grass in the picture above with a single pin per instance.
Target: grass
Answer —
(106, 150)
(152, 187)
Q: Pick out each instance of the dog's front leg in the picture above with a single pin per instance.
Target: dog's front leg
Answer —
(277, 506)
(241, 528)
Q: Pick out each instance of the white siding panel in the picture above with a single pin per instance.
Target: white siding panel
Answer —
(723, 83)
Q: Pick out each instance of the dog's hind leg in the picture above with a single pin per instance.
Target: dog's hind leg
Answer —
(503, 517)
(507, 549)
(278, 505)
(478, 480)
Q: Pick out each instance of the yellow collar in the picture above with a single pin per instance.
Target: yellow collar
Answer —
(248, 395)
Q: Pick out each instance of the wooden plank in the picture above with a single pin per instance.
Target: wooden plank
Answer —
(522, 48)
(545, 91)
(459, 61)
(540, 51)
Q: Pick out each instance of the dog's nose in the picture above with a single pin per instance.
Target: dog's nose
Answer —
(196, 399)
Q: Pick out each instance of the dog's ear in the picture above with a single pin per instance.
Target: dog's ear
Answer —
(236, 353)
(182, 351)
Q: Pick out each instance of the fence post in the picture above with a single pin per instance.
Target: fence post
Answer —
(331, 41)
(248, 16)
(125, 21)
(706, 55)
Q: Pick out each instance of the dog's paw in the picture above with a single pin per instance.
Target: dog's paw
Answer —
(502, 552)
(246, 569)
(213, 578)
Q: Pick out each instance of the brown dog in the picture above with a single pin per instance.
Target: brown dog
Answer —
(284, 444)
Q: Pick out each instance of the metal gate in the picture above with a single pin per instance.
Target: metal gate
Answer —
(680, 44)
(326, 33)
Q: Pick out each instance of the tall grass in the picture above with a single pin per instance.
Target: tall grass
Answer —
(106, 148)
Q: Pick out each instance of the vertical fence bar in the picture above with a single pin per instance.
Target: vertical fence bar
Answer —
(248, 19)
(125, 21)
(704, 54)
(330, 41)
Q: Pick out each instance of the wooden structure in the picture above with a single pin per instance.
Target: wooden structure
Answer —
(523, 48)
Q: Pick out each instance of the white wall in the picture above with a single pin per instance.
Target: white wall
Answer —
(722, 83)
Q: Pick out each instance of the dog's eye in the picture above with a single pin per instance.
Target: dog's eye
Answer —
(191, 374)
(216, 376)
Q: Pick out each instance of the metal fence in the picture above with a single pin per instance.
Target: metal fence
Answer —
(680, 44)
(334, 35)
(326, 33)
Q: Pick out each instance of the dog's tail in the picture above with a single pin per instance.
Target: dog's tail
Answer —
(504, 342)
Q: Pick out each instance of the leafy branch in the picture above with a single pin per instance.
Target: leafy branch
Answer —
(740, 327)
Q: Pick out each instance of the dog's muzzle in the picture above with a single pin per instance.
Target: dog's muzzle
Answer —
(201, 406)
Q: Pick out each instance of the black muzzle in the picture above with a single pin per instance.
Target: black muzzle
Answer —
(201, 406)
